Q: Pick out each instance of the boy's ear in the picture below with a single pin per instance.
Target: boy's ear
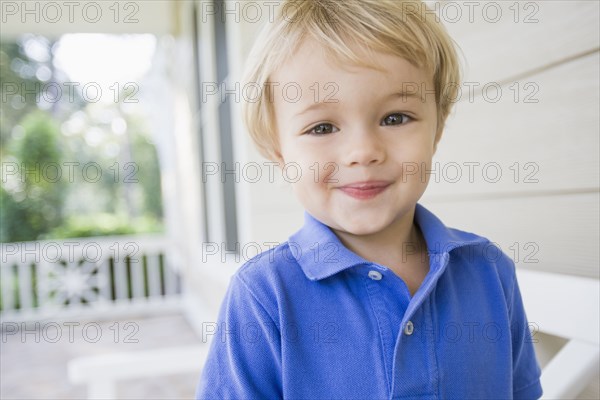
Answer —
(278, 158)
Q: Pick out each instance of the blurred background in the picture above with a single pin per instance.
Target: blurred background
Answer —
(131, 192)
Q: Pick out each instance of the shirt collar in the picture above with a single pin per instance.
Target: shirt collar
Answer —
(321, 254)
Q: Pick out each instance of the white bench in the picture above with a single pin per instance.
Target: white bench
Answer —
(101, 373)
(569, 307)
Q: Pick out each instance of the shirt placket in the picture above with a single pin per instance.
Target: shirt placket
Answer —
(414, 370)
(389, 299)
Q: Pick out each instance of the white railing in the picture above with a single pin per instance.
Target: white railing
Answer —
(99, 275)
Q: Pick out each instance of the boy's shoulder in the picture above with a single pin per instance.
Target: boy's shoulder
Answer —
(484, 256)
(272, 269)
(268, 262)
(270, 279)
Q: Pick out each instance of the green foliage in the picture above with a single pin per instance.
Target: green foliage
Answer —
(103, 224)
(12, 213)
(40, 141)
(149, 175)
(33, 204)
(17, 73)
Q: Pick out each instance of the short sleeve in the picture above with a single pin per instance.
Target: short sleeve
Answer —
(526, 370)
(244, 360)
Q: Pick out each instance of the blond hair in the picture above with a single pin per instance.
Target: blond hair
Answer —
(404, 28)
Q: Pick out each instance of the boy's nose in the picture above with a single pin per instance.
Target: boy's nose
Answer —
(363, 148)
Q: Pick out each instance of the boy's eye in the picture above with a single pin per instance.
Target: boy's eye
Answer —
(322, 129)
(395, 119)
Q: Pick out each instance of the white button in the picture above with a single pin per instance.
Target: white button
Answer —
(375, 275)
(409, 328)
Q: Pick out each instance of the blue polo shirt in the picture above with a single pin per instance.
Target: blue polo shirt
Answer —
(310, 319)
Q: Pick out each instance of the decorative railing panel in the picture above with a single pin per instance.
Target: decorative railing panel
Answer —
(54, 278)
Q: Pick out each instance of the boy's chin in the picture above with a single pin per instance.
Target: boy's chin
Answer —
(368, 222)
(362, 226)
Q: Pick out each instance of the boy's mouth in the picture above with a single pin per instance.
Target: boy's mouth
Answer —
(365, 190)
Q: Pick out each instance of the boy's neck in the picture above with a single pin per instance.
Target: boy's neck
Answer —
(396, 245)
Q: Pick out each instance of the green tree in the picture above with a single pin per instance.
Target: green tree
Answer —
(23, 78)
(32, 198)
(148, 175)
(126, 198)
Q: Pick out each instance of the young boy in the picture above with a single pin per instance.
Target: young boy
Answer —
(374, 298)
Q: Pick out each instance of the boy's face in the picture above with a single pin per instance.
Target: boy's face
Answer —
(350, 126)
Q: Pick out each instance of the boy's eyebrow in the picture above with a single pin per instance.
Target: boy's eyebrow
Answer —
(406, 95)
(313, 106)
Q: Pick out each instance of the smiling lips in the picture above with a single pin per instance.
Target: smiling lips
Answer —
(365, 190)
